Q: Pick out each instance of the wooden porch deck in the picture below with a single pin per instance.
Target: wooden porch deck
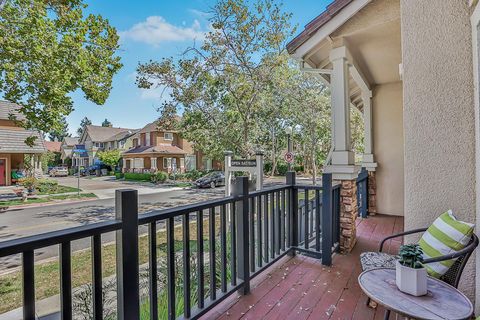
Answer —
(301, 288)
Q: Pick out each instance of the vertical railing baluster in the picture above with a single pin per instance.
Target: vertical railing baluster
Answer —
(128, 294)
(28, 285)
(212, 257)
(152, 267)
(317, 220)
(66, 280)
(186, 266)
(278, 223)
(272, 225)
(265, 228)
(288, 214)
(306, 218)
(233, 241)
(259, 232)
(282, 221)
(171, 268)
(251, 225)
(223, 247)
(200, 264)
(97, 278)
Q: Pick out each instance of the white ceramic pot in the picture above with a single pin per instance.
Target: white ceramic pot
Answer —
(410, 280)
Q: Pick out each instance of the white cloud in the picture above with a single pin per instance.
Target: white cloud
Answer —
(155, 30)
(157, 92)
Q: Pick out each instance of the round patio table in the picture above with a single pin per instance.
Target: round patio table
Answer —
(442, 301)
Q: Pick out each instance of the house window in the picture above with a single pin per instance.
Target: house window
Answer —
(168, 136)
(147, 139)
(135, 142)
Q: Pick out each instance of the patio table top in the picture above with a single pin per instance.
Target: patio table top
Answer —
(442, 301)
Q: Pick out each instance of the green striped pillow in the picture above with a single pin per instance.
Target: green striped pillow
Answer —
(446, 235)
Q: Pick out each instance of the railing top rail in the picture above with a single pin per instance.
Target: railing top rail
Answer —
(308, 187)
(47, 239)
(268, 190)
(163, 214)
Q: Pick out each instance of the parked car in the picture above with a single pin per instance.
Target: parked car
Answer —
(212, 180)
(58, 172)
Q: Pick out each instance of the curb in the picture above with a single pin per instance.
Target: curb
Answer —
(46, 204)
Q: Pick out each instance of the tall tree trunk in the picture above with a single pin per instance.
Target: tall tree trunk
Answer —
(314, 169)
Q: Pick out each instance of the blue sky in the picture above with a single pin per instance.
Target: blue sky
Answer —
(151, 30)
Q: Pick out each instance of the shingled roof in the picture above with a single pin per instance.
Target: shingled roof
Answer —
(13, 141)
(9, 108)
(70, 141)
(162, 149)
(103, 134)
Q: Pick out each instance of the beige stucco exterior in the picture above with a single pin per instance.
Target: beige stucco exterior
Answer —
(438, 115)
(388, 150)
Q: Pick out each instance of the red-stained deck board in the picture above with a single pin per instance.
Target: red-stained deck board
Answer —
(302, 288)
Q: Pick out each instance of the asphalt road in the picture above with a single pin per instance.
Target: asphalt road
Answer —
(30, 221)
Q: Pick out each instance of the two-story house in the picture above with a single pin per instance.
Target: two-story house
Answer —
(66, 148)
(13, 148)
(98, 138)
(156, 149)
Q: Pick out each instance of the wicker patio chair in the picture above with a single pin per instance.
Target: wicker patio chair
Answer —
(371, 260)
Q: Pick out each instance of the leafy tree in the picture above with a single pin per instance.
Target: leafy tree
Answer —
(59, 134)
(85, 122)
(219, 84)
(110, 157)
(106, 123)
(50, 49)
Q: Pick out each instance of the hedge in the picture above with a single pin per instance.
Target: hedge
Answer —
(119, 175)
(138, 176)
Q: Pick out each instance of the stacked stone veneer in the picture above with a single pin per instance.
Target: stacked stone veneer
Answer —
(372, 193)
(348, 215)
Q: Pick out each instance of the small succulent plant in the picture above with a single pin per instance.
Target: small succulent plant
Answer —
(411, 255)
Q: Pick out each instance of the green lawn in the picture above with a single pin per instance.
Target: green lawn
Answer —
(60, 189)
(18, 202)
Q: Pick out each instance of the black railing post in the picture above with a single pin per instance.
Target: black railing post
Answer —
(327, 221)
(240, 189)
(126, 210)
(293, 212)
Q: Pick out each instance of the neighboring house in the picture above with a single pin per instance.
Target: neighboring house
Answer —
(12, 144)
(155, 149)
(98, 138)
(67, 145)
(53, 146)
(408, 65)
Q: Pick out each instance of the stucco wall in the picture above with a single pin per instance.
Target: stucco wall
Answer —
(438, 115)
(388, 147)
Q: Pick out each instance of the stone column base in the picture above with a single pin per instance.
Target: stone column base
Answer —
(372, 193)
(348, 215)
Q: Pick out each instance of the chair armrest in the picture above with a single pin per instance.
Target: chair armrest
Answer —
(400, 235)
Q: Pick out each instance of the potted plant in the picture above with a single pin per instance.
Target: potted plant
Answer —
(411, 276)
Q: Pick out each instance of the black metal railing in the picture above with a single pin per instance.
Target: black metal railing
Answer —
(362, 193)
(219, 246)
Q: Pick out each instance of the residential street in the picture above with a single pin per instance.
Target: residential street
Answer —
(29, 221)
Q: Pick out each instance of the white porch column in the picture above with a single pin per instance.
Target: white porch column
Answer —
(368, 160)
(343, 158)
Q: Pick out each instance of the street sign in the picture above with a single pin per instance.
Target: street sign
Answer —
(288, 157)
(244, 163)
(79, 150)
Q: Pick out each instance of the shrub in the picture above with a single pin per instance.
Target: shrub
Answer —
(159, 177)
(194, 175)
(282, 168)
(119, 175)
(138, 176)
(28, 182)
(298, 168)
(47, 186)
(178, 176)
(267, 167)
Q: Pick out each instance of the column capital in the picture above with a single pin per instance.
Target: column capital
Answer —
(340, 53)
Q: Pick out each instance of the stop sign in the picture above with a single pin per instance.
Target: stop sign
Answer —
(288, 157)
